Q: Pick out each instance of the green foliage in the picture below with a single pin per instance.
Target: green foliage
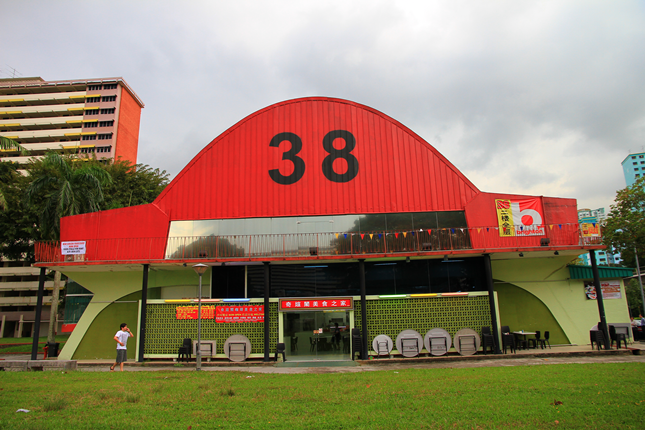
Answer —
(62, 185)
(634, 299)
(17, 221)
(132, 185)
(6, 143)
(624, 228)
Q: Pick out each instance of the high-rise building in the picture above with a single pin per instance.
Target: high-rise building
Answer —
(633, 167)
(590, 220)
(88, 116)
(93, 116)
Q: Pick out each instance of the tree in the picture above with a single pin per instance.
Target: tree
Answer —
(132, 184)
(624, 228)
(7, 144)
(63, 186)
(17, 220)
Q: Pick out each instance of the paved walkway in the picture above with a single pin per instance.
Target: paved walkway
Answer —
(556, 355)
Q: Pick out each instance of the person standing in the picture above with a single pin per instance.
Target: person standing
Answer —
(121, 338)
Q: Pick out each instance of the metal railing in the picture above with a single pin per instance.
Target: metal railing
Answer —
(315, 244)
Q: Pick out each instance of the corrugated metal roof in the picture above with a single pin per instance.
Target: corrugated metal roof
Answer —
(333, 157)
(585, 272)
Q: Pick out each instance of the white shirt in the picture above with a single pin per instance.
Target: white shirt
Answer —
(123, 337)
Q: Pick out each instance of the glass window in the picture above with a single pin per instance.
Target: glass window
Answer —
(399, 222)
(424, 220)
(370, 223)
(451, 219)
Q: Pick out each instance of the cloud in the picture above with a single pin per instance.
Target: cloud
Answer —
(538, 98)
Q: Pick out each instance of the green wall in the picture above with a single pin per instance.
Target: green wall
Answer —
(521, 310)
(99, 342)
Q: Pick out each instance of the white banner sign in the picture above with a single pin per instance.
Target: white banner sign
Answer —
(72, 248)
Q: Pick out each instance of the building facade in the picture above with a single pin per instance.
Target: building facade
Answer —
(633, 167)
(315, 212)
(591, 220)
(94, 117)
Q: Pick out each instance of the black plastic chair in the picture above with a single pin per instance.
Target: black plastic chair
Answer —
(546, 339)
(280, 349)
(539, 340)
(357, 343)
(488, 340)
(508, 341)
(185, 350)
(312, 343)
(597, 337)
(294, 343)
(617, 337)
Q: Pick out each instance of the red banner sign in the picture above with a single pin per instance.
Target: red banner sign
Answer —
(328, 303)
(239, 314)
(190, 312)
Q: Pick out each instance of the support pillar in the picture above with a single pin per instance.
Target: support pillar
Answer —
(144, 305)
(267, 292)
(361, 275)
(491, 302)
(39, 309)
(601, 305)
(4, 317)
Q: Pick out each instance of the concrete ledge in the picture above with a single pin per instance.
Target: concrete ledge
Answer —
(38, 365)
(479, 357)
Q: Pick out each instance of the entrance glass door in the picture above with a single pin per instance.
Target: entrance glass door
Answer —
(317, 335)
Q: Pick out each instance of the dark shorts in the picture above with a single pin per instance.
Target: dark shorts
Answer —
(121, 355)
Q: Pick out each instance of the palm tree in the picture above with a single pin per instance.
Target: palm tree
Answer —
(63, 186)
(8, 144)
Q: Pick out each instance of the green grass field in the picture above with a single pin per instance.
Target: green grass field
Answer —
(586, 396)
(27, 342)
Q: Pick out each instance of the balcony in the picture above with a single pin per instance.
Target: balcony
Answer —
(317, 245)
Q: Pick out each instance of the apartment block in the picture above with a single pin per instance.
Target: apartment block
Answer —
(92, 116)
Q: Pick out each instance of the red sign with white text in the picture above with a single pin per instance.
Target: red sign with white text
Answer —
(191, 312)
(239, 314)
(327, 303)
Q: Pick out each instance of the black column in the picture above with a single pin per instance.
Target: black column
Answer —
(491, 301)
(601, 305)
(144, 306)
(267, 292)
(39, 309)
(361, 275)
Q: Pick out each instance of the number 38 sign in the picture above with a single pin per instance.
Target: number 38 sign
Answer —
(345, 153)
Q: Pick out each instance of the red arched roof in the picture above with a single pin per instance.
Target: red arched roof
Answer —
(395, 169)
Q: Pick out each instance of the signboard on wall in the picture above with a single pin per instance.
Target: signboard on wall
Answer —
(327, 303)
(239, 314)
(190, 312)
(72, 248)
(590, 229)
(520, 217)
(610, 290)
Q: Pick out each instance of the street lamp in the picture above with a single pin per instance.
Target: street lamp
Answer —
(200, 269)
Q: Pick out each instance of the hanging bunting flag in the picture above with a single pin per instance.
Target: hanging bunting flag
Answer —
(429, 231)
(550, 226)
(362, 235)
(412, 233)
(593, 223)
(336, 235)
(462, 230)
(479, 230)
(396, 235)
(379, 235)
(560, 225)
(452, 230)
(371, 235)
(521, 228)
(345, 235)
(420, 230)
(405, 234)
(487, 228)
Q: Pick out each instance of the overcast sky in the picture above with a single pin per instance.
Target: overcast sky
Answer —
(541, 98)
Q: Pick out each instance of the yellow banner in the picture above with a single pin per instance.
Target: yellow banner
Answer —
(504, 218)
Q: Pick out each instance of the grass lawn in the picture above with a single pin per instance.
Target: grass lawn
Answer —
(27, 341)
(587, 396)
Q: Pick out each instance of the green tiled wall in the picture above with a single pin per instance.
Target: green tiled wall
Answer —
(165, 334)
(392, 316)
